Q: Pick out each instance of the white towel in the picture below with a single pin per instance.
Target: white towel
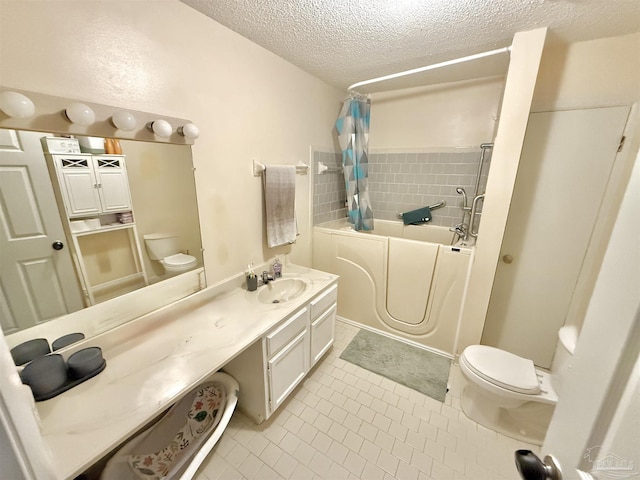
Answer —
(279, 199)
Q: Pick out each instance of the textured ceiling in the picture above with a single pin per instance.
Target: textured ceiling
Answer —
(346, 41)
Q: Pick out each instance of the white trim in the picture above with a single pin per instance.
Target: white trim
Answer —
(394, 337)
(456, 149)
(435, 66)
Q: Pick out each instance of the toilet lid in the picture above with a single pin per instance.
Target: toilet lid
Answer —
(502, 368)
(179, 260)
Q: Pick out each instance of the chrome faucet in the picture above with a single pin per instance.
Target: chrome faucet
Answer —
(460, 230)
(266, 278)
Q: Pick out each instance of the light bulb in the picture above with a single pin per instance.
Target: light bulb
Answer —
(80, 114)
(16, 105)
(124, 120)
(189, 130)
(161, 128)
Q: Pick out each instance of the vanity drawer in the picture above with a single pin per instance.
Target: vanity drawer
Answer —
(282, 335)
(324, 301)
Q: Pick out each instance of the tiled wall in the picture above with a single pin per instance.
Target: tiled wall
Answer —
(400, 182)
(329, 193)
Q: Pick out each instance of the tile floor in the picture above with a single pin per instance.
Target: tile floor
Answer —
(344, 422)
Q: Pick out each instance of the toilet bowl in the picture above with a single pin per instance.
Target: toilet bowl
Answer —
(164, 248)
(508, 394)
(178, 263)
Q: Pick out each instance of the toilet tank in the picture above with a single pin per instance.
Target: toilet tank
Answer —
(567, 339)
(161, 245)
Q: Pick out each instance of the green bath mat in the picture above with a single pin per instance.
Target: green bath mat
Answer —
(410, 366)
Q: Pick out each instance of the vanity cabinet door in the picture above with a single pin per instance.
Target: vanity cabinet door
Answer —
(93, 185)
(322, 334)
(78, 184)
(323, 319)
(111, 175)
(287, 369)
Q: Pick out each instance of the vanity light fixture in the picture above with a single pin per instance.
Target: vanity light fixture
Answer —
(80, 114)
(16, 105)
(161, 128)
(124, 120)
(189, 130)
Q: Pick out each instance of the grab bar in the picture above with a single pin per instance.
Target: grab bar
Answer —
(431, 207)
(474, 212)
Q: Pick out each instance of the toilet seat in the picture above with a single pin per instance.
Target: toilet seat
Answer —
(502, 368)
(179, 260)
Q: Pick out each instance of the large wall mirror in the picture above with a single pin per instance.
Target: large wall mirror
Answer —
(82, 228)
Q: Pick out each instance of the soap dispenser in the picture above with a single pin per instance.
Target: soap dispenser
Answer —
(277, 268)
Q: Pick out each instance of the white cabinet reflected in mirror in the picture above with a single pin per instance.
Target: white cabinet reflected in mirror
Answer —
(83, 228)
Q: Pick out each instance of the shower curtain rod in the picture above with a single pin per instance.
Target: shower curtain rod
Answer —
(430, 67)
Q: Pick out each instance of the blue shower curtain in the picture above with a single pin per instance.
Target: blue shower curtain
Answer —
(353, 136)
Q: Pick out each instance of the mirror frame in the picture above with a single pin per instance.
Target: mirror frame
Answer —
(97, 319)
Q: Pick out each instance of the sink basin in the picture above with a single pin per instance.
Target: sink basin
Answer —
(281, 290)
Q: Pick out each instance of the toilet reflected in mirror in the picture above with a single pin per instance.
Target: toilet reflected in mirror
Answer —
(164, 249)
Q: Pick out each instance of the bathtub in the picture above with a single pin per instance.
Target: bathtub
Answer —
(404, 280)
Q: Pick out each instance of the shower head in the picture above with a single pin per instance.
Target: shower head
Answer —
(460, 191)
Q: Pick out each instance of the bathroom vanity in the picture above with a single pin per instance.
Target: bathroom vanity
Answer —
(153, 360)
(272, 367)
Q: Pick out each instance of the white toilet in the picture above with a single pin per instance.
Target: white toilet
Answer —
(508, 394)
(164, 248)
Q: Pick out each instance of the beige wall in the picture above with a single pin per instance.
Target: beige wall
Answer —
(597, 73)
(604, 72)
(445, 115)
(107, 257)
(166, 58)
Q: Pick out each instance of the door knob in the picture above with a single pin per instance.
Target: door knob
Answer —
(57, 245)
(507, 259)
(531, 467)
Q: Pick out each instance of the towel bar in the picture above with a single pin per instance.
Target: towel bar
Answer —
(322, 168)
(258, 168)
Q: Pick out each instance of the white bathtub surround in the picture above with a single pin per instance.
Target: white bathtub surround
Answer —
(152, 361)
(411, 287)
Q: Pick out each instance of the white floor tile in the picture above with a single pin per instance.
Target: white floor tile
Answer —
(355, 463)
(344, 422)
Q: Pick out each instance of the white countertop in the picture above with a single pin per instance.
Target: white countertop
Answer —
(153, 360)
